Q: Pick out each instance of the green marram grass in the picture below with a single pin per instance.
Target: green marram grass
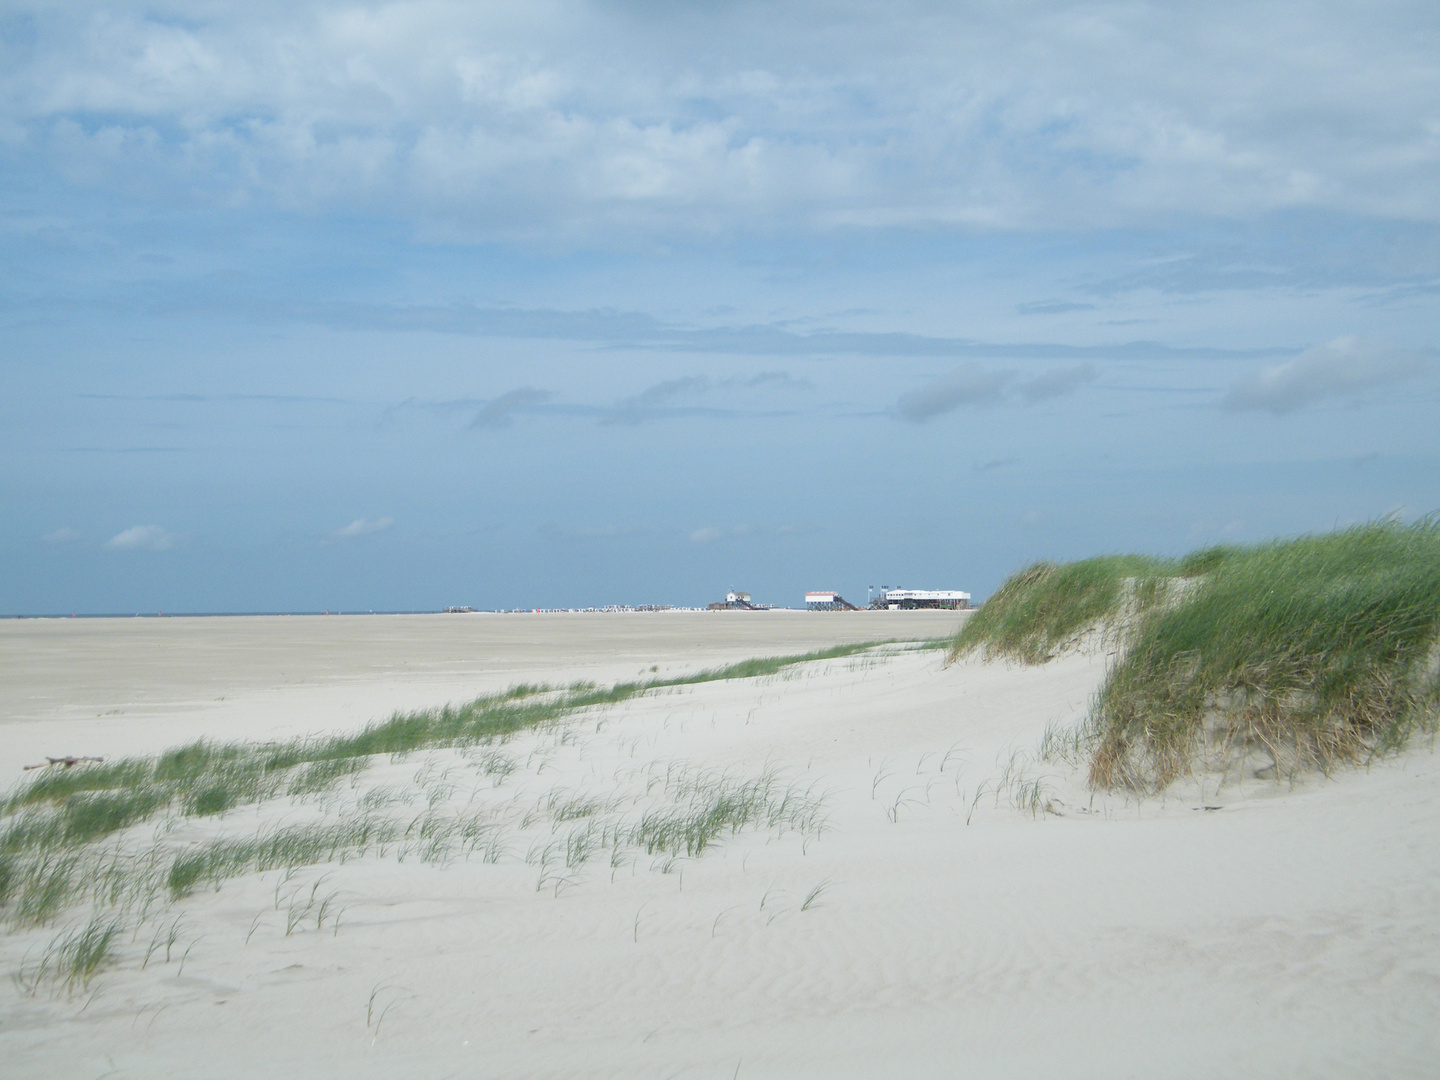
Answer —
(705, 806)
(71, 807)
(1289, 655)
(74, 958)
(1047, 606)
(1309, 652)
(68, 839)
(54, 829)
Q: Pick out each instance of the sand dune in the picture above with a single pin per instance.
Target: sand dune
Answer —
(921, 923)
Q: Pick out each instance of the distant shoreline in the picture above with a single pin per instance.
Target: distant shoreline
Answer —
(610, 610)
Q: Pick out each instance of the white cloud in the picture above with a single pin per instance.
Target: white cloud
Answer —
(142, 538)
(1345, 367)
(968, 385)
(63, 535)
(570, 116)
(363, 527)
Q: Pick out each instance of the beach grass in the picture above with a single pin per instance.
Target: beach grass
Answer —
(73, 958)
(63, 833)
(1278, 657)
(1046, 606)
(129, 884)
(282, 848)
(705, 806)
(80, 805)
(1309, 652)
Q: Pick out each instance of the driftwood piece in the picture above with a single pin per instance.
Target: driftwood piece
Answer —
(65, 762)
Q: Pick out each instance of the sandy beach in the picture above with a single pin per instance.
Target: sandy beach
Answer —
(135, 686)
(928, 898)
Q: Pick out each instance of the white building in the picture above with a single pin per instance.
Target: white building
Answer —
(905, 599)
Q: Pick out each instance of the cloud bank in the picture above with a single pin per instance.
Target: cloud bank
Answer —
(574, 117)
(1345, 367)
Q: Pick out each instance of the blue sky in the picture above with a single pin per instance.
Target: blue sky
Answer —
(393, 306)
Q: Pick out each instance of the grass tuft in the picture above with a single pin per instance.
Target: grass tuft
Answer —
(1047, 606)
(74, 958)
(707, 806)
(297, 845)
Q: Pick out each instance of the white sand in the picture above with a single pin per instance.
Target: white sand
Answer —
(1292, 932)
(110, 687)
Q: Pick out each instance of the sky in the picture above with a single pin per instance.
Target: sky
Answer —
(394, 306)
